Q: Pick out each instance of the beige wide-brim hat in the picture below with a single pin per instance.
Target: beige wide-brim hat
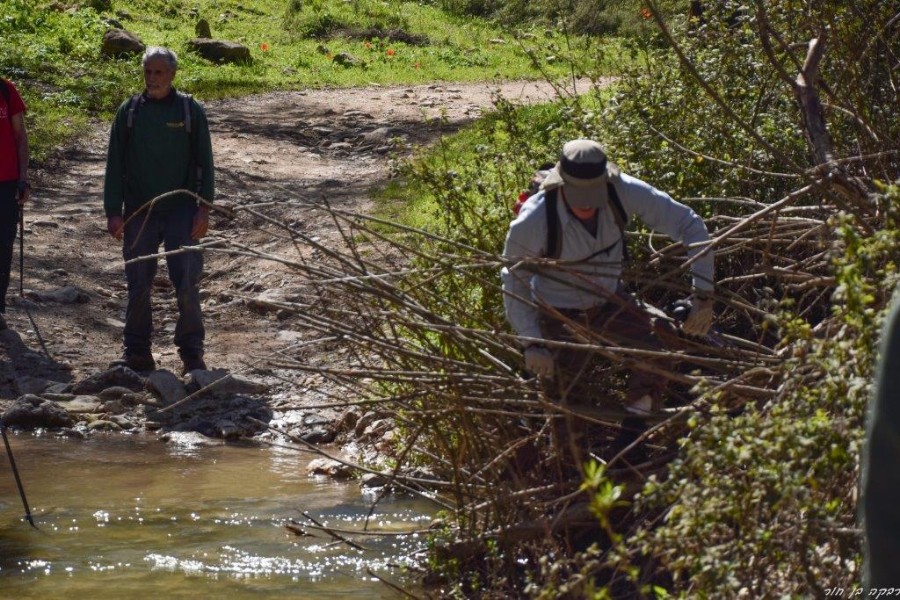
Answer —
(583, 171)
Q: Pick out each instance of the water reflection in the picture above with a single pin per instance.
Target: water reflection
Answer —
(134, 517)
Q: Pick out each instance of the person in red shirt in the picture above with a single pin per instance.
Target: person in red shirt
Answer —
(14, 187)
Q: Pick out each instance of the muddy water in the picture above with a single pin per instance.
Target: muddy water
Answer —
(137, 518)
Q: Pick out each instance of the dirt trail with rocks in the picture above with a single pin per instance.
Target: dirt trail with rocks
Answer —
(328, 144)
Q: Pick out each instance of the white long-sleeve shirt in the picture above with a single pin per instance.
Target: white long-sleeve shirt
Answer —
(582, 285)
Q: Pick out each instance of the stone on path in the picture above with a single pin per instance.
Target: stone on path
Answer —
(167, 386)
(223, 383)
(68, 294)
(119, 376)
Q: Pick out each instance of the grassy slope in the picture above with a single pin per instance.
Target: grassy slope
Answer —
(53, 53)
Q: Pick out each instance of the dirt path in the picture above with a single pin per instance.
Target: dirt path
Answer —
(324, 144)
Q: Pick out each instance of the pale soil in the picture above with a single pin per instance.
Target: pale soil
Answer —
(326, 144)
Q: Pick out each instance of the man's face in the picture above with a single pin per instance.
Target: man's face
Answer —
(158, 76)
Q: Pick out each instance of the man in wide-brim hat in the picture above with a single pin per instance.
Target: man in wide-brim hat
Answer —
(581, 210)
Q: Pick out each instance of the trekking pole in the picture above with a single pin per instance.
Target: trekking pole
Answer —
(37, 331)
(21, 251)
(15, 471)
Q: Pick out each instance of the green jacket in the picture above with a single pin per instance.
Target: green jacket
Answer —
(156, 156)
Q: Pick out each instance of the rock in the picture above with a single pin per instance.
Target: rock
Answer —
(378, 136)
(363, 423)
(33, 412)
(269, 300)
(122, 422)
(374, 480)
(319, 435)
(226, 383)
(103, 425)
(121, 42)
(220, 51)
(119, 376)
(329, 467)
(348, 420)
(82, 404)
(32, 385)
(228, 430)
(190, 439)
(112, 406)
(65, 295)
(57, 388)
(202, 29)
(288, 336)
(166, 386)
(114, 393)
(315, 420)
(345, 59)
(376, 429)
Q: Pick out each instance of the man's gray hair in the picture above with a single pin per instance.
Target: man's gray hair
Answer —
(159, 52)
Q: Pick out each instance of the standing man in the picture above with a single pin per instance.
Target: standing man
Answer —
(14, 187)
(578, 218)
(160, 143)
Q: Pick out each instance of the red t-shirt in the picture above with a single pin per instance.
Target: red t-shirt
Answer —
(9, 157)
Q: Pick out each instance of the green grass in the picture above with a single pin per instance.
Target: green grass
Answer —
(52, 53)
(490, 161)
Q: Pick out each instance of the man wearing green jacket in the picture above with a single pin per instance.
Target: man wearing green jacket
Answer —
(159, 143)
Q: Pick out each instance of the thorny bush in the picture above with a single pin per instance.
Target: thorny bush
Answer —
(750, 486)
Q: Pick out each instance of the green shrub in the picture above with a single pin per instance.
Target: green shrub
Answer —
(760, 501)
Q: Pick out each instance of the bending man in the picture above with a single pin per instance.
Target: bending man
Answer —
(581, 211)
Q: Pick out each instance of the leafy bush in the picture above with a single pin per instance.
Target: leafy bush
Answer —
(760, 499)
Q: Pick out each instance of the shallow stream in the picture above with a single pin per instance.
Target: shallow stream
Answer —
(131, 517)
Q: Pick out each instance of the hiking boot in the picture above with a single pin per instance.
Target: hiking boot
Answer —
(136, 361)
(192, 364)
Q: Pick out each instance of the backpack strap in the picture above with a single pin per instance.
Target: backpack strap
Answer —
(186, 111)
(620, 216)
(554, 229)
(134, 104)
(187, 117)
